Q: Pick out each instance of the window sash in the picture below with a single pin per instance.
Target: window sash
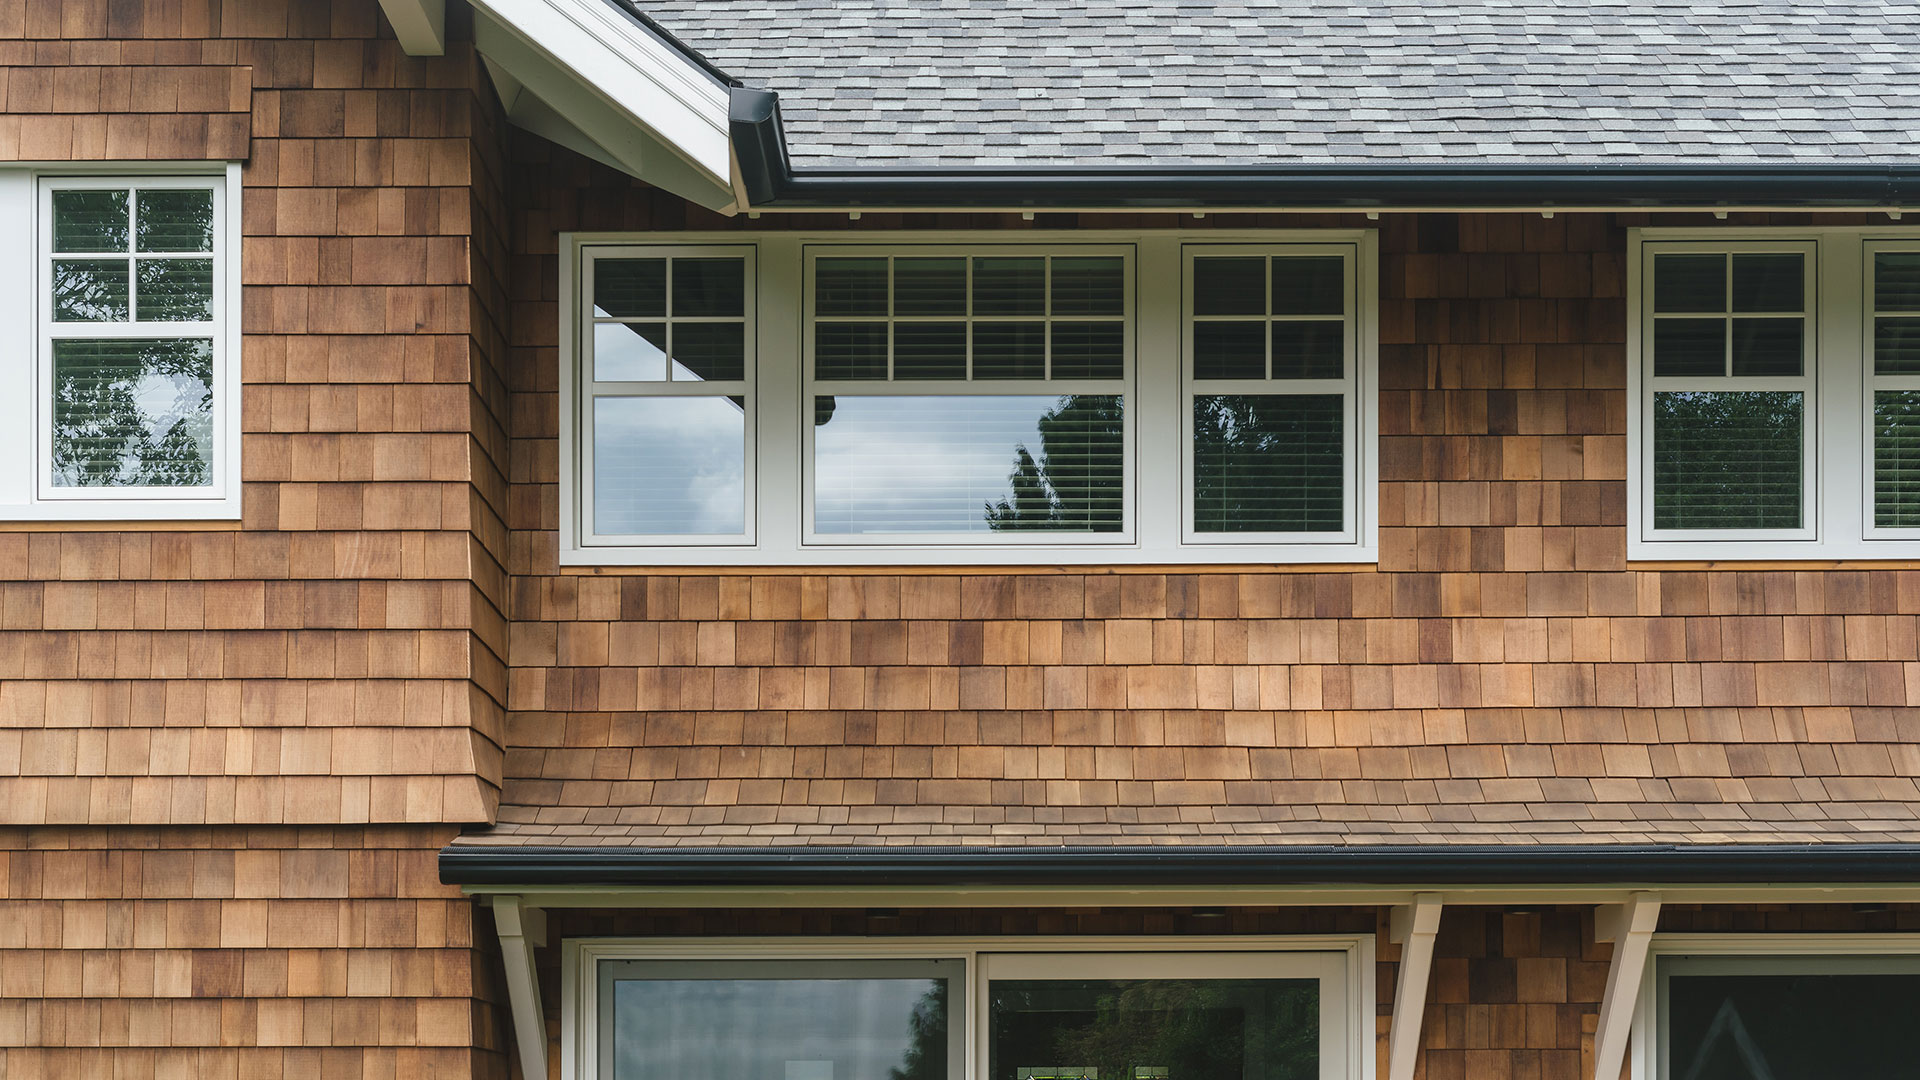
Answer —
(1876, 383)
(593, 390)
(1348, 386)
(812, 387)
(217, 329)
(1806, 384)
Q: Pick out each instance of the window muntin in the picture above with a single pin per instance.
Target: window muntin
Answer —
(1785, 1016)
(667, 383)
(1271, 409)
(887, 1019)
(967, 394)
(133, 339)
(1728, 390)
(1892, 336)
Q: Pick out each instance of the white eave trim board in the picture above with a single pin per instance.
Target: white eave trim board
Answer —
(594, 66)
(421, 25)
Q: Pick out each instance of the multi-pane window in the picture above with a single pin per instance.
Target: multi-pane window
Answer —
(967, 393)
(1052, 398)
(1730, 388)
(1270, 396)
(668, 385)
(1774, 402)
(1893, 336)
(131, 330)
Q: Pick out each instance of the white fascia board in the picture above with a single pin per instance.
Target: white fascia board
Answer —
(621, 67)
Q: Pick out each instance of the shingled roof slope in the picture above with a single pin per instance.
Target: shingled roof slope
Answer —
(937, 83)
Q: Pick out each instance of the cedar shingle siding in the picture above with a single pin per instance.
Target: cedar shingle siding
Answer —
(230, 752)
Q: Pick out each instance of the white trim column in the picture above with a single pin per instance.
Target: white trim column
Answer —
(1630, 927)
(1412, 927)
(522, 929)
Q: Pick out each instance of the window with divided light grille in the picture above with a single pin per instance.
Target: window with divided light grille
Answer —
(1140, 400)
(1777, 412)
(132, 338)
(968, 394)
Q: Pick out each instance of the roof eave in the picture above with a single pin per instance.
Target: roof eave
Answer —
(1417, 865)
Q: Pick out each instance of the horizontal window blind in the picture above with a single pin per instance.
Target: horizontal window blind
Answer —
(1727, 460)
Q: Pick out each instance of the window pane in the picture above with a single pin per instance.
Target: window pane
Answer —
(1268, 463)
(174, 220)
(1896, 346)
(1896, 280)
(1230, 286)
(90, 290)
(1309, 350)
(1164, 1029)
(969, 464)
(850, 350)
(709, 351)
(850, 287)
(1896, 459)
(89, 221)
(709, 287)
(1088, 285)
(1767, 346)
(1009, 351)
(1229, 350)
(1726, 460)
(1690, 347)
(1009, 286)
(133, 413)
(1791, 1026)
(629, 352)
(1775, 282)
(1309, 285)
(175, 290)
(669, 466)
(814, 1028)
(1088, 350)
(929, 350)
(1689, 283)
(630, 288)
(928, 287)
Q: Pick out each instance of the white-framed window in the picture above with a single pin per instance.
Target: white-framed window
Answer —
(1771, 412)
(1777, 1005)
(968, 1009)
(1054, 398)
(122, 300)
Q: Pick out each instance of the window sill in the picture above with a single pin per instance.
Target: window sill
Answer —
(1262, 556)
(1790, 552)
(222, 513)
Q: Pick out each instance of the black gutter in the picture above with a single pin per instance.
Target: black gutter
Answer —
(1410, 865)
(772, 181)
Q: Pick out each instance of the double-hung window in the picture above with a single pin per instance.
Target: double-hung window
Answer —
(127, 407)
(1775, 394)
(1060, 398)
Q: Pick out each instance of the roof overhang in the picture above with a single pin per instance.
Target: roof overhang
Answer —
(597, 79)
(515, 868)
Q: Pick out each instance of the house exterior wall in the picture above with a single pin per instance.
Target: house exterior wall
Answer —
(229, 751)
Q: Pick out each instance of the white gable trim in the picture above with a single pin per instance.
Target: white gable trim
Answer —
(649, 108)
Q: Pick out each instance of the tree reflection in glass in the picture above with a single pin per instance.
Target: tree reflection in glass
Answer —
(1154, 1029)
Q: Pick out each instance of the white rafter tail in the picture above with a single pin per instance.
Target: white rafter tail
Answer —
(1413, 926)
(522, 929)
(421, 25)
(1630, 927)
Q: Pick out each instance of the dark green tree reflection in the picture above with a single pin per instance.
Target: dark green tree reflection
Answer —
(1155, 1029)
(1076, 482)
(927, 1055)
(133, 413)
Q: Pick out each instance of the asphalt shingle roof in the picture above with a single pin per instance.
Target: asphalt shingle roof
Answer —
(866, 83)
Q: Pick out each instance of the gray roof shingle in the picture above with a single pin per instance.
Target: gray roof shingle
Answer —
(867, 83)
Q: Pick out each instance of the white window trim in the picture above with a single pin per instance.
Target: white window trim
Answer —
(1155, 385)
(26, 386)
(1838, 476)
(1347, 1013)
(1776, 950)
